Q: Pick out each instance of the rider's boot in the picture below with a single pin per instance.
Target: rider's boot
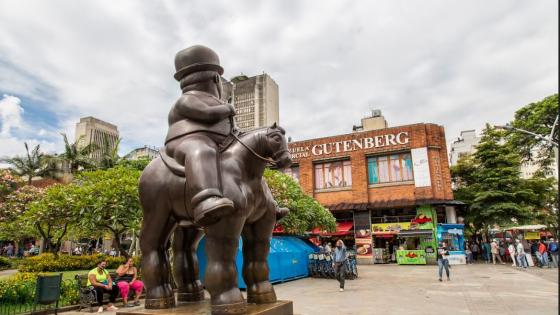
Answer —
(211, 209)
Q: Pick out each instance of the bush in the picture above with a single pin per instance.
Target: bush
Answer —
(20, 289)
(49, 263)
(5, 263)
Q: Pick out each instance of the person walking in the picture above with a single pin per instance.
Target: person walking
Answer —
(475, 249)
(511, 251)
(468, 254)
(543, 255)
(521, 259)
(487, 252)
(553, 250)
(339, 263)
(442, 260)
(495, 250)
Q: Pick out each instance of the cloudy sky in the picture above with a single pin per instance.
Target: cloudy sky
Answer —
(455, 63)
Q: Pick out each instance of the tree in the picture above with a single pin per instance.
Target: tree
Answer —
(138, 164)
(109, 200)
(538, 118)
(109, 152)
(77, 156)
(545, 201)
(13, 210)
(32, 165)
(306, 213)
(53, 214)
(8, 183)
(496, 193)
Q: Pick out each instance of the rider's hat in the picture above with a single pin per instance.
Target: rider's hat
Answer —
(194, 59)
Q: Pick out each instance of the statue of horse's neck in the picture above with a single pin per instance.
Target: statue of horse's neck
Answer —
(255, 140)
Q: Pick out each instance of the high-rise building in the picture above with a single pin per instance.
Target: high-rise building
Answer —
(142, 152)
(464, 145)
(91, 130)
(255, 100)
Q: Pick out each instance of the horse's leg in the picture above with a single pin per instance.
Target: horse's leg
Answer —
(256, 246)
(156, 227)
(185, 264)
(222, 239)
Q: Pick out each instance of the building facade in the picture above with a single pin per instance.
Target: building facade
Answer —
(255, 99)
(388, 188)
(464, 145)
(91, 130)
(142, 152)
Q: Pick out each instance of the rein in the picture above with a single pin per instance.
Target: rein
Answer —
(268, 160)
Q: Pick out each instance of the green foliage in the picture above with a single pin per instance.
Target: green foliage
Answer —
(35, 163)
(490, 182)
(50, 263)
(108, 199)
(5, 263)
(538, 118)
(138, 164)
(20, 289)
(8, 183)
(109, 152)
(53, 213)
(306, 213)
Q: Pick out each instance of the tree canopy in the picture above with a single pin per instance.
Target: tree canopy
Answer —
(33, 164)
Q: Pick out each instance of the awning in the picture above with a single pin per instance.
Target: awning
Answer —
(412, 233)
(390, 204)
(342, 228)
(278, 229)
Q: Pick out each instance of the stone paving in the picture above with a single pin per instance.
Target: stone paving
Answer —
(392, 289)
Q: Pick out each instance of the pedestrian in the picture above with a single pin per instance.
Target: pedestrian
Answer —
(553, 250)
(339, 263)
(543, 255)
(468, 254)
(495, 250)
(442, 260)
(521, 259)
(475, 249)
(328, 248)
(511, 251)
(487, 252)
(10, 250)
(502, 249)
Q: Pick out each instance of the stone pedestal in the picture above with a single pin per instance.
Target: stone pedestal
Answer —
(203, 308)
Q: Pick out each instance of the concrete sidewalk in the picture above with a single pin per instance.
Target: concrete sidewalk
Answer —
(392, 289)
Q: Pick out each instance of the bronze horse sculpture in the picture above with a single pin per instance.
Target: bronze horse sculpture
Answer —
(167, 211)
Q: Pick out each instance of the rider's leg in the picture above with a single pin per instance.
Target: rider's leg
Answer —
(199, 154)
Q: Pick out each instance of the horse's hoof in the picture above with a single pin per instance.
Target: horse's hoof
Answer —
(190, 296)
(230, 309)
(161, 303)
(262, 298)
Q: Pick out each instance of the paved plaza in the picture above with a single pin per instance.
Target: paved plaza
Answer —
(392, 289)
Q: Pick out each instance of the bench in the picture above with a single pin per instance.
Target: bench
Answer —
(87, 294)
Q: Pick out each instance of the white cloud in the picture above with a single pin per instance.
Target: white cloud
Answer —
(459, 64)
(10, 114)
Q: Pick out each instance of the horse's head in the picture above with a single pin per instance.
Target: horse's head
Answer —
(277, 147)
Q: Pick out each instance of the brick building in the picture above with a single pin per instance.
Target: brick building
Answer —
(377, 183)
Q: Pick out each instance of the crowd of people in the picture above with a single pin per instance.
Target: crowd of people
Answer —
(10, 251)
(521, 253)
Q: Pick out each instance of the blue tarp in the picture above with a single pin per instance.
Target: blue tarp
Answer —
(287, 260)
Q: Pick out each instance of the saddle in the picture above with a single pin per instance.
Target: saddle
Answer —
(179, 169)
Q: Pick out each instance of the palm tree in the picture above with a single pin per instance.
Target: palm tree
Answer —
(33, 165)
(75, 156)
(109, 153)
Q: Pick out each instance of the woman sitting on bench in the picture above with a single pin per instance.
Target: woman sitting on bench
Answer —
(101, 281)
(127, 281)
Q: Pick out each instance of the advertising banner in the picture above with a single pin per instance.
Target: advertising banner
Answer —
(421, 167)
(424, 219)
(362, 225)
(364, 248)
(532, 235)
(393, 228)
(411, 257)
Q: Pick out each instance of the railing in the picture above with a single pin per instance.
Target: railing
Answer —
(19, 297)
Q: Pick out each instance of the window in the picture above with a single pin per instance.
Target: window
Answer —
(333, 175)
(293, 172)
(390, 169)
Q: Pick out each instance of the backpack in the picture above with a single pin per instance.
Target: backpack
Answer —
(553, 247)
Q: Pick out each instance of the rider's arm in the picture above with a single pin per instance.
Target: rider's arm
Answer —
(193, 108)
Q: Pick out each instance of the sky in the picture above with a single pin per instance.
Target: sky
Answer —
(459, 64)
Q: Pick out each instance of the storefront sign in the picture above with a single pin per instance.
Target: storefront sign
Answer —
(421, 167)
(350, 145)
(393, 228)
(411, 257)
(362, 225)
(532, 235)
(364, 248)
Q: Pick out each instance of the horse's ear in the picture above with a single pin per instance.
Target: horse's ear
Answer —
(274, 126)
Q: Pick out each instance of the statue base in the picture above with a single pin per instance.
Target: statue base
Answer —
(203, 308)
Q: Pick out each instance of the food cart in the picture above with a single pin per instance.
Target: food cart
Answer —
(453, 236)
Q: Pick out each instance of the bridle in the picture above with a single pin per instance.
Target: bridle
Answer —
(271, 161)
